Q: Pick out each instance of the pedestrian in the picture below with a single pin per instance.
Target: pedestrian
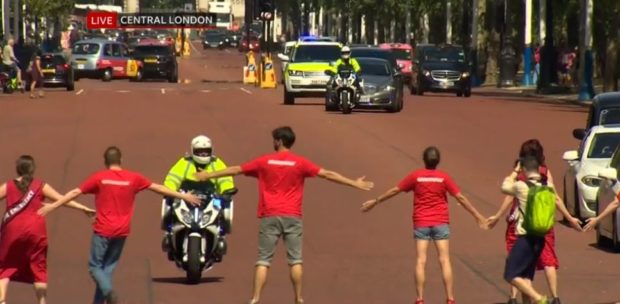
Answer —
(23, 237)
(36, 75)
(281, 178)
(548, 260)
(430, 216)
(114, 189)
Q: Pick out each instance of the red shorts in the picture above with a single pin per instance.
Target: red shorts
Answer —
(24, 258)
(548, 258)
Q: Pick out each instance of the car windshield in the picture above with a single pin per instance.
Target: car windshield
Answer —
(370, 53)
(445, 54)
(213, 35)
(401, 54)
(152, 50)
(610, 116)
(317, 53)
(604, 145)
(374, 68)
(52, 60)
(85, 48)
(222, 18)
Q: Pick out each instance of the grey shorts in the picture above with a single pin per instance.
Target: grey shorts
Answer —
(435, 233)
(271, 229)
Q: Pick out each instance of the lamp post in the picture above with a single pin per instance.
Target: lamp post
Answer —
(586, 89)
(527, 51)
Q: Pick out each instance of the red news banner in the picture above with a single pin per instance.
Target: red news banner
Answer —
(112, 20)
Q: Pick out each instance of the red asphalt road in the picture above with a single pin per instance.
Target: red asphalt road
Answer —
(350, 257)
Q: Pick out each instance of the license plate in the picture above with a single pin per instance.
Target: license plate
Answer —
(365, 99)
(48, 70)
(80, 66)
(233, 44)
(150, 60)
(447, 84)
(319, 82)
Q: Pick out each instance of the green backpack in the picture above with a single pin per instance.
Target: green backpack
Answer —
(539, 215)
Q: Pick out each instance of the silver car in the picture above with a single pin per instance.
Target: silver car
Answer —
(609, 227)
(379, 87)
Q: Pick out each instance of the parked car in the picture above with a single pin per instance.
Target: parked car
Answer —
(581, 181)
(158, 61)
(285, 55)
(440, 69)
(609, 227)
(379, 84)
(375, 52)
(103, 59)
(403, 53)
(56, 72)
(605, 109)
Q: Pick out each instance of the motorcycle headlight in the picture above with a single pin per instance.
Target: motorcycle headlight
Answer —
(427, 73)
(388, 88)
(351, 80)
(295, 73)
(204, 220)
(186, 216)
(591, 181)
(465, 75)
(339, 81)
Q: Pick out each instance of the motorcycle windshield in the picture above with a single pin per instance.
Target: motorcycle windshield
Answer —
(203, 189)
(345, 73)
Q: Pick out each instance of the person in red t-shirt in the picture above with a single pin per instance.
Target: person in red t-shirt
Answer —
(281, 178)
(430, 216)
(115, 190)
(23, 241)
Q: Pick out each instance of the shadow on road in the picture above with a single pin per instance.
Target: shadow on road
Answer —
(605, 248)
(182, 281)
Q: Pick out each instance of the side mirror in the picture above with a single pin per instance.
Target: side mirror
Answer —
(579, 133)
(283, 57)
(608, 173)
(570, 155)
(329, 73)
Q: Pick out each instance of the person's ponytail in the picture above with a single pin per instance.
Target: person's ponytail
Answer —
(25, 169)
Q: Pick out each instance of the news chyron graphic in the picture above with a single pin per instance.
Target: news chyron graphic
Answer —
(112, 20)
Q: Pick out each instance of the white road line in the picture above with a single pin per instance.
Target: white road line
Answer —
(163, 91)
(194, 48)
(122, 91)
(205, 91)
(79, 92)
(245, 90)
(227, 50)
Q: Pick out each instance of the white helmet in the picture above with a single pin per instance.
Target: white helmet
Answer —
(345, 52)
(202, 150)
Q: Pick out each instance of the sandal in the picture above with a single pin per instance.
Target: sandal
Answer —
(251, 302)
(31, 97)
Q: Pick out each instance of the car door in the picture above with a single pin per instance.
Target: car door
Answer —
(119, 64)
(606, 195)
(570, 181)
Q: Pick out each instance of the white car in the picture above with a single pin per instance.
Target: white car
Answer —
(284, 56)
(582, 181)
(609, 227)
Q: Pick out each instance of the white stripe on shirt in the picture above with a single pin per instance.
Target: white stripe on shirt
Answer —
(281, 162)
(430, 179)
(114, 182)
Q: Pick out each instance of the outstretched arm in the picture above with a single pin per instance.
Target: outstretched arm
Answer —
(163, 190)
(492, 221)
(368, 205)
(359, 183)
(559, 203)
(2, 191)
(230, 171)
(69, 196)
(51, 193)
(471, 209)
(593, 221)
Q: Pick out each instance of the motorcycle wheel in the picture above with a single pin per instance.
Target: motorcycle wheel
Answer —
(194, 271)
(344, 102)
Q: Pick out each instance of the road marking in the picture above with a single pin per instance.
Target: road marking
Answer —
(79, 92)
(163, 91)
(245, 90)
(205, 91)
(227, 50)
(122, 91)
(193, 47)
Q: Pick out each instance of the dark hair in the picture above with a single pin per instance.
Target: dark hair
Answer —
(533, 148)
(431, 157)
(112, 156)
(285, 134)
(25, 169)
(530, 164)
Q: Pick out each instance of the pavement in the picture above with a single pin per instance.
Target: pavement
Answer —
(349, 257)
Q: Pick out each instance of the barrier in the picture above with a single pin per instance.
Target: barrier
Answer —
(249, 70)
(268, 73)
(186, 50)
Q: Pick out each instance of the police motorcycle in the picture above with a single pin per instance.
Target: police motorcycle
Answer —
(197, 234)
(344, 91)
(8, 80)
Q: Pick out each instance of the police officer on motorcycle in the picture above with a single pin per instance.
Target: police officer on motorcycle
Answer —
(182, 172)
(9, 61)
(346, 61)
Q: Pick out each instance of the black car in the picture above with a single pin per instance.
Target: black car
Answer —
(158, 61)
(385, 54)
(233, 38)
(440, 69)
(214, 39)
(57, 72)
(605, 110)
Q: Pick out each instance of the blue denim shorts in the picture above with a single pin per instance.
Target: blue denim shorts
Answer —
(434, 233)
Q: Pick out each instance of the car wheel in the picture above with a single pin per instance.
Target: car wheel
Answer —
(107, 75)
(419, 89)
(459, 94)
(577, 207)
(289, 98)
(411, 89)
(467, 92)
(70, 86)
(600, 239)
(174, 77)
(615, 243)
(139, 76)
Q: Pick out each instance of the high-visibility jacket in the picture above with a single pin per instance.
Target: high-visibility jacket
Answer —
(352, 62)
(185, 169)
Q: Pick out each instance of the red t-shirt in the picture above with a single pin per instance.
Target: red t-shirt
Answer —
(281, 178)
(430, 203)
(115, 192)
